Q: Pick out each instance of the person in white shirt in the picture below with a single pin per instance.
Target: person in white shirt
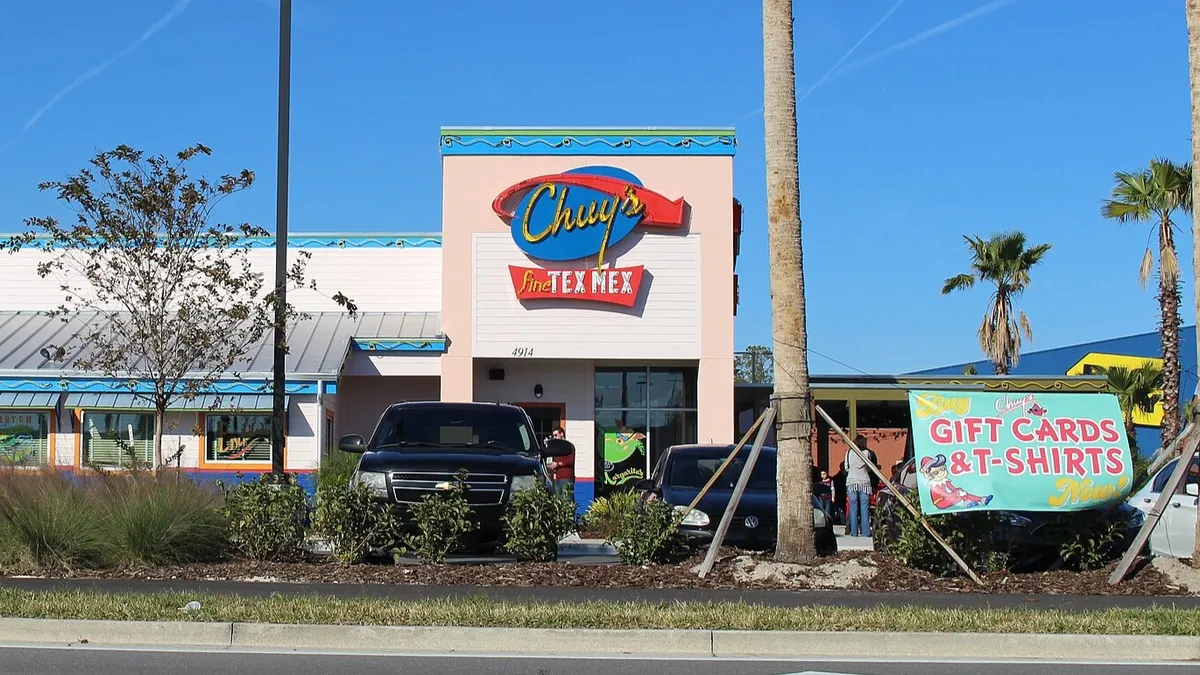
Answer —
(858, 490)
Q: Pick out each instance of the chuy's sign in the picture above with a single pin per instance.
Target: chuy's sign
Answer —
(1018, 452)
(578, 214)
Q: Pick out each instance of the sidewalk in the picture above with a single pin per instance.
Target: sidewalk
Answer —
(589, 642)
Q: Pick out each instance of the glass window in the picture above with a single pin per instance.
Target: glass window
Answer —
(610, 389)
(621, 441)
(670, 427)
(238, 438)
(674, 388)
(24, 438)
(454, 427)
(115, 439)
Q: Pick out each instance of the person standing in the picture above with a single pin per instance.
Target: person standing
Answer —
(563, 468)
(858, 490)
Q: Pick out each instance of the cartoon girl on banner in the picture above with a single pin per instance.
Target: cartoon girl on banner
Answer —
(944, 494)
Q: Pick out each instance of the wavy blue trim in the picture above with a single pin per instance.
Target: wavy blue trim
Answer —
(301, 240)
(101, 385)
(435, 345)
(580, 144)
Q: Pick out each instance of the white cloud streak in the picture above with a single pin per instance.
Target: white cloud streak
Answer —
(825, 77)
(176, 10)
(917, 39)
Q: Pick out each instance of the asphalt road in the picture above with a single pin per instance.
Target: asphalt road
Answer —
(66, 661)
(575, 595)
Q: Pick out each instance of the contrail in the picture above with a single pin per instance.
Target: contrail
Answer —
(840, 61)
(921, 37)
(845, 56)
(178, 9)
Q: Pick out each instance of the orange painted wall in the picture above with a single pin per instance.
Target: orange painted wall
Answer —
(888, 445)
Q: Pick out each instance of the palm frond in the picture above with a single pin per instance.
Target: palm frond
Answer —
(958, 282)
(1146, 269)
(1168, 264)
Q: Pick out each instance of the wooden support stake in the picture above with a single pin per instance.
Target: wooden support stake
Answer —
(768, 418)
(1156, 511)
(900, 496)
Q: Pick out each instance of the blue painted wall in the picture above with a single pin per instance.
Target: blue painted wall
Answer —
(1057, 361)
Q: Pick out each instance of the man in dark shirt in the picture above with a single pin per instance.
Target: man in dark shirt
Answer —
(563, 468)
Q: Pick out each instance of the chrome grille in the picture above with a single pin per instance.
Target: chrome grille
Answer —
(483, 489)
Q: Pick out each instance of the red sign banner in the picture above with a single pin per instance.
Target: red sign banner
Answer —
(612, 285)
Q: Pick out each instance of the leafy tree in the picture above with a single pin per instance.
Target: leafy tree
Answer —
(970, 369)
(1005, 262)
(1137, 389)
(168, 298)
(754, 365)
(1153, 195)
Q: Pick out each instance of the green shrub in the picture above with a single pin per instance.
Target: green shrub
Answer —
(651, 535)
(354, 522)
(160, 518)
(441, 520)
(266, 519)
(1090, 539)
(336, 470)
(972, 535)
(49, 522)
(606, 515)
(535, 521)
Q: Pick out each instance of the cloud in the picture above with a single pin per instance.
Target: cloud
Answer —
(825, 77)
(922, 37)
(176, 10)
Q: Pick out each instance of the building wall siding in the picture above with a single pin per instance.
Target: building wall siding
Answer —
(362, 399)
(666, 324)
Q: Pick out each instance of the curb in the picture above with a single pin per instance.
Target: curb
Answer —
(592, 642)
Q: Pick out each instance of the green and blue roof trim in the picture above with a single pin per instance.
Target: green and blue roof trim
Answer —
(599, 141)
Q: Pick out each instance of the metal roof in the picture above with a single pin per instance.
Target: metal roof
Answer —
(317, 345)
(29, 400)
(116, 401)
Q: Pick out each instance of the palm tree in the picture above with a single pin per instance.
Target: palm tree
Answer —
(1153, 195)
(1193, 25)
(1004, 262)
(789, 335)
(1137, 390)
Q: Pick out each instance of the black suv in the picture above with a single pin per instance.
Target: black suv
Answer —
(418, 448)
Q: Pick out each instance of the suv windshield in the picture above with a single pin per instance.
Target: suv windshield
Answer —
(690, 470)
(449, 427)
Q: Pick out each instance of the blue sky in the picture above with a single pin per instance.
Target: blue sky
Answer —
(951, 117)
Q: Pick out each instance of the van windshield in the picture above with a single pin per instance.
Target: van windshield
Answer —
(449, 427)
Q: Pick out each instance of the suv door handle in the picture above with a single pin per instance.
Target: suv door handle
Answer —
(1176, 504)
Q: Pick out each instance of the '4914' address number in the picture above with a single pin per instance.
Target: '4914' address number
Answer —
(522, 351)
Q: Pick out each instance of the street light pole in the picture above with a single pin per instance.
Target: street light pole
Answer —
(278, 411)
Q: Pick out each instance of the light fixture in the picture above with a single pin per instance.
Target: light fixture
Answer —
(53, 352)
(537, 391)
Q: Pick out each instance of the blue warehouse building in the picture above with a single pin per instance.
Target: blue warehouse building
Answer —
(1090, 357)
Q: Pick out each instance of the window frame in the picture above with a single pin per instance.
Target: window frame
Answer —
(82, 438)
(51, 422)
(206, 463)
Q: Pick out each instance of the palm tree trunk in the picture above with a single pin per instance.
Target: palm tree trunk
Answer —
(794, 434)
(1193, 24)
(1169, 300)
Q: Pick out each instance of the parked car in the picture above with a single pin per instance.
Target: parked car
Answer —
(1032, 538)
(418, 447)
(1175, 533)
(683, 470)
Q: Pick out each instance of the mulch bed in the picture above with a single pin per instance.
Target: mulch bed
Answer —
(891, 577)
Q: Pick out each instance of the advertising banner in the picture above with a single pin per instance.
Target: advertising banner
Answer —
(1018, 451)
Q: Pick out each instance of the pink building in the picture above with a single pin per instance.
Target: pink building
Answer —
(585, 274)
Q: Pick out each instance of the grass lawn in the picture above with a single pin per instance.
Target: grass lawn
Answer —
(488, 613)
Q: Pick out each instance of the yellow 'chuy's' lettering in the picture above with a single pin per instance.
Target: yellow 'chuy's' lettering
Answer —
(1078, 491)
(568, 219)
(931, 405)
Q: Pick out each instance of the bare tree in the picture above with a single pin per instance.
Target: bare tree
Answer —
(790, 337)
(166, 299)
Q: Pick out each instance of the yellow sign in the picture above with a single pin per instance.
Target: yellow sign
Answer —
(1092, 364)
